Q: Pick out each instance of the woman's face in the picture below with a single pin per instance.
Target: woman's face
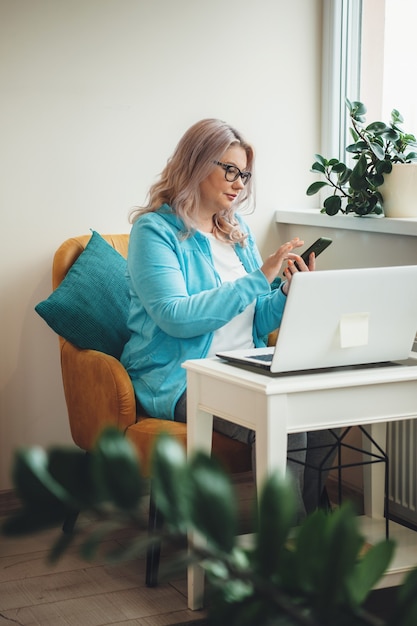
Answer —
(216, 192)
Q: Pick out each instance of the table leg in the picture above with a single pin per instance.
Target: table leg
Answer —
(270, 424)
(374, 474)
(199, 437)
(271, 437)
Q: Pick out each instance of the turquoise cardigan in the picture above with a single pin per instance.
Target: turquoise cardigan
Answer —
(178, 301)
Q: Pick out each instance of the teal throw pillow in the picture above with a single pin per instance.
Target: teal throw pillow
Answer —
(90, 306)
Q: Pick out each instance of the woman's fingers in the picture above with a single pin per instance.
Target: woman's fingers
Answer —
(296, 264)
(273, 263)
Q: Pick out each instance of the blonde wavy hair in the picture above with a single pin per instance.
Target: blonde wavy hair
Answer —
(192, 161)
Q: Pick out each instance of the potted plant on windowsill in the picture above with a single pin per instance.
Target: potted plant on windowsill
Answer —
(383, 155)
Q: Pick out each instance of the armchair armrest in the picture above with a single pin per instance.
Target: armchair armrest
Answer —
(272, 337)
(98, 393)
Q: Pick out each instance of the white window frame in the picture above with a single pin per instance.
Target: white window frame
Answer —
(341, 70)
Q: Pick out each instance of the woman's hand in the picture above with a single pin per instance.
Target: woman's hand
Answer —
(273, 264)
(301, 266)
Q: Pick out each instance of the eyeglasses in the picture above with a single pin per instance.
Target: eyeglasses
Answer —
(232, 173)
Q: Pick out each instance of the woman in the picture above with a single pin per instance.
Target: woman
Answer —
(197, 281)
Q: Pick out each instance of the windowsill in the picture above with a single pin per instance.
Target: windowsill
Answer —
(375, 224)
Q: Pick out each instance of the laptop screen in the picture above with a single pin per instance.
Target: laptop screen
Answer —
(336, 318)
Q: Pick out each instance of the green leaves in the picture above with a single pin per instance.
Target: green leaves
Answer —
(405, 611)
(171, 486)
(376, 146)
(327, 566)
(51, 485)
(46, 488)
(316, 574)
(332, 205)
(315, 187)
(115, 470)
(195, 495)
(337, 175)
(212, 503)
(34, 482)
(368, 571)
(357, 110)
(357, 177)
(276, 517)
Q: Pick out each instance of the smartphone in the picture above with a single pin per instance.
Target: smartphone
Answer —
(317, 247)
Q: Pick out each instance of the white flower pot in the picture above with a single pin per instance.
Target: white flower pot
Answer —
(399, 191)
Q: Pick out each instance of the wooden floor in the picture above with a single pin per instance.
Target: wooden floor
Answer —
(78, 593)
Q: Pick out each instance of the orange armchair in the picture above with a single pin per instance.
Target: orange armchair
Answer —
(98, 393)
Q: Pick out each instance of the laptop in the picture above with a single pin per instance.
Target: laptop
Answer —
(341, 319)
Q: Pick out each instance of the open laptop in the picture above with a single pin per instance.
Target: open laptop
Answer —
(341, 318)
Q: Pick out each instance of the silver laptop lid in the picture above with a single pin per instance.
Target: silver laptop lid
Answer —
(347, 317)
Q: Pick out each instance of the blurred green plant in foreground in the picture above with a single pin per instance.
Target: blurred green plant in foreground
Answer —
(314, 575)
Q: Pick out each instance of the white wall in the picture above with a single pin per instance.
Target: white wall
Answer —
(94, 95)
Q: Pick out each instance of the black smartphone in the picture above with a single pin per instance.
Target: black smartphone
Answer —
(317, 247)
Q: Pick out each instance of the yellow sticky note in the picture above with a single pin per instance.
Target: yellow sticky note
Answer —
(354, 330)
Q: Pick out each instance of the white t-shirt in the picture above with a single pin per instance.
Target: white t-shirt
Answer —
(237, 333)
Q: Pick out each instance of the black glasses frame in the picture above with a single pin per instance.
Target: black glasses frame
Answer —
(232, 172)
